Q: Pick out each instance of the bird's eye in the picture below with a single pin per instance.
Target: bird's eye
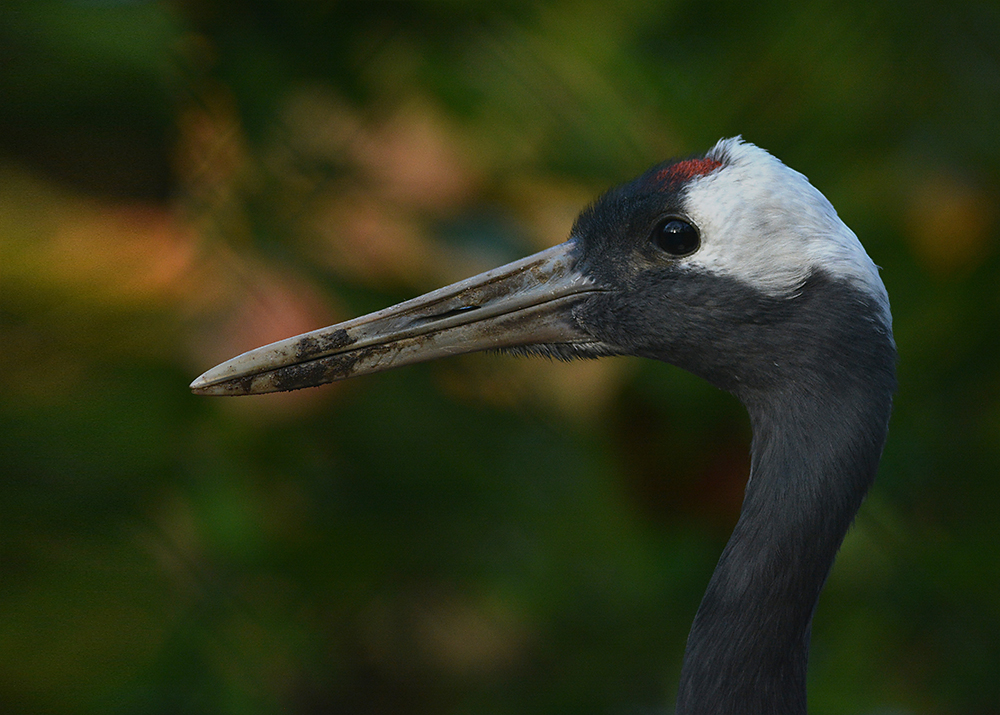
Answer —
(675, 237)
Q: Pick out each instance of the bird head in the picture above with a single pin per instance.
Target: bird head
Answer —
(729, 265)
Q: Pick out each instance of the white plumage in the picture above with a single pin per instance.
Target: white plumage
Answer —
(768, 226)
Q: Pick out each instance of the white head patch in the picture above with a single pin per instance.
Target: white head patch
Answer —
(766, 225)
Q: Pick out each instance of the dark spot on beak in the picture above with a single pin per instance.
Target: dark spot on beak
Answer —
(316, 372)
(312, 347)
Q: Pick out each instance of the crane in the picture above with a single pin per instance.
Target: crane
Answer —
(736, 268)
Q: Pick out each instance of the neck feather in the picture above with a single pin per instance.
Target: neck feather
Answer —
(815, 453)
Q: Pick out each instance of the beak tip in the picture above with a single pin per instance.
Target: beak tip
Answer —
(211, 383)
(202, 386)
(223, 382)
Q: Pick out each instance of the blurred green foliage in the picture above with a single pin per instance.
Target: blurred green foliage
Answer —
(182, 181)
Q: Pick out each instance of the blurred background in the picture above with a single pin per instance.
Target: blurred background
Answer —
(183, 181)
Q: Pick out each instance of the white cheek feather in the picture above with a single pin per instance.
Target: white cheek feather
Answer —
(766, 225)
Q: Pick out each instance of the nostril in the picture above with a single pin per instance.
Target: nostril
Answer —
(446, 314)
(456, 311)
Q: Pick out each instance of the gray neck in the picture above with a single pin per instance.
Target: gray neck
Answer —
(813, 461)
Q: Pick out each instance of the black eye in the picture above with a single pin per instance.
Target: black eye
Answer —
(676, 237)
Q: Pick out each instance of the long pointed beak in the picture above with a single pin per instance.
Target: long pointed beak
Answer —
(527, 302)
